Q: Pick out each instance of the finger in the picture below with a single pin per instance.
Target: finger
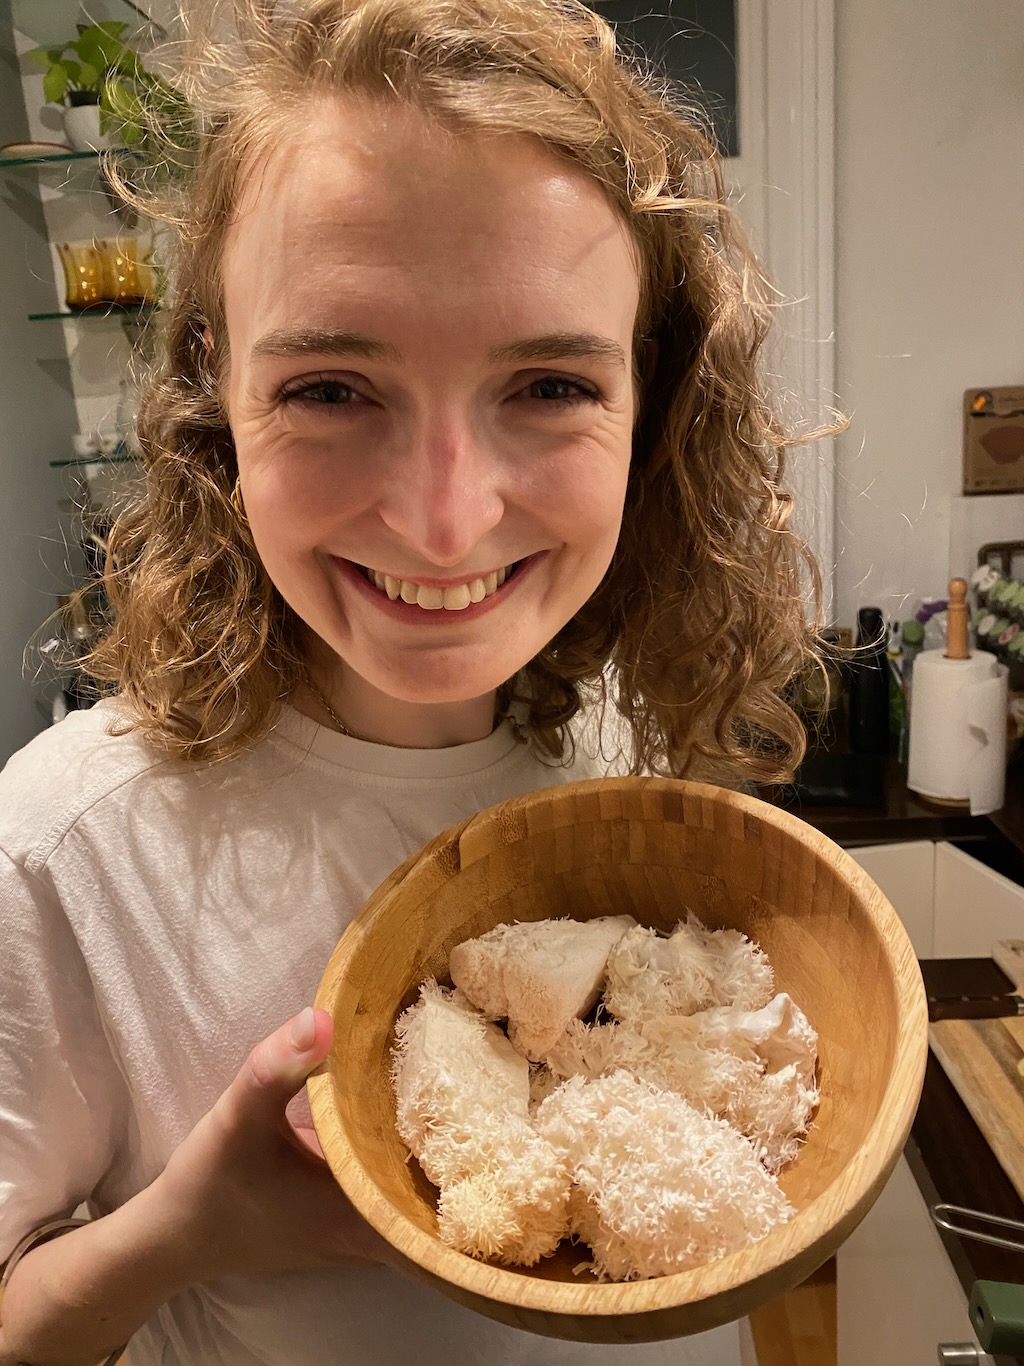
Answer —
(309, 1142)
(279, 1065)
(299, 1123)
(298, 1114)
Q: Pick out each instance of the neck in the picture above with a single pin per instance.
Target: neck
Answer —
(368, 714)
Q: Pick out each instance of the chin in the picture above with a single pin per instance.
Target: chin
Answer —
(436, 692)
(440, 682)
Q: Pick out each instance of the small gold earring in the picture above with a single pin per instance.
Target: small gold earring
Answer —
(236, 501)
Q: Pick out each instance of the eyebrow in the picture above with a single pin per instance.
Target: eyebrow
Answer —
(307, 341)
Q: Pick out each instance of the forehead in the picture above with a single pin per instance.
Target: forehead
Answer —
(363, 199)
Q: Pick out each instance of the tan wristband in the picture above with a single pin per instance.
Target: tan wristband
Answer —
(36, 1238)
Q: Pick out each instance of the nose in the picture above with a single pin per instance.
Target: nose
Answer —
(444, 494)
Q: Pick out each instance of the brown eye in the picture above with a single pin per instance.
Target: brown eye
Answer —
(556, 391)
(327, 393)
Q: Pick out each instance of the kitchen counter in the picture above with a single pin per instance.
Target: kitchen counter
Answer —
(949, 1157)
(902, 815)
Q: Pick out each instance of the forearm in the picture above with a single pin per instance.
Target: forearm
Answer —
(72, 1301)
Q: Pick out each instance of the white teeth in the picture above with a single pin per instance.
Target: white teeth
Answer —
(430, 598)
(455, 599)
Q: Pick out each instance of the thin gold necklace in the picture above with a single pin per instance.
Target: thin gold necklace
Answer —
(330, 710)
(350, 733)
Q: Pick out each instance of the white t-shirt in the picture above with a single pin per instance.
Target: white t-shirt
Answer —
(157, 920)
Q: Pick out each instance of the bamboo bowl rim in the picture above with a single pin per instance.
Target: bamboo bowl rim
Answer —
(713, 1293)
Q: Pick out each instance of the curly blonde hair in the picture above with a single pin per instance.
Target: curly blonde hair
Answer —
(701, 619)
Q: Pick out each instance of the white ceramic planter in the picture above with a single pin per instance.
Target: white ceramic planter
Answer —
(82, 128)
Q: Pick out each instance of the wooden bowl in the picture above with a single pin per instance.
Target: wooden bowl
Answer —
(654, 848)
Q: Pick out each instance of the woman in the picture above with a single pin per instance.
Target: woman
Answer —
(457, 425)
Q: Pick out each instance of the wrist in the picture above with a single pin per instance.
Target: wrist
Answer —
(81, 1294)
(182, 1251)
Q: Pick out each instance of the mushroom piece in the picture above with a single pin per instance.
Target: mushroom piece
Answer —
(462, 1097)
(537, 974)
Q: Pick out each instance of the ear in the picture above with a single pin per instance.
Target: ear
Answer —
(207, 338)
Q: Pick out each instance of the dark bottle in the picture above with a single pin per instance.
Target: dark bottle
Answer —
(869, 685)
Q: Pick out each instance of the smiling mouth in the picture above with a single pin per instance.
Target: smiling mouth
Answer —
(433, 599)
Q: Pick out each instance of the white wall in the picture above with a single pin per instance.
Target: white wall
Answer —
(930, 267)
(37, 415)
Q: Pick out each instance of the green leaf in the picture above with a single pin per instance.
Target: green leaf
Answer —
(129, 65)
(89, 77)
(55, 85)
(114, 97)
(126, 110)
(99, 49)
(115, 93)
(90, 47)
(41, 56)
(112, 28)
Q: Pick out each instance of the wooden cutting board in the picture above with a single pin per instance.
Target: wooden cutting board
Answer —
(983, 1058)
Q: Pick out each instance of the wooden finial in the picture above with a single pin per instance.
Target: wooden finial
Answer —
(956, 621)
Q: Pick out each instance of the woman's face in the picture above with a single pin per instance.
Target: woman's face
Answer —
(430, 394)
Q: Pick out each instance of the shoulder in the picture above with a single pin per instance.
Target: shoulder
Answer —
(60, 774)
(93, 781)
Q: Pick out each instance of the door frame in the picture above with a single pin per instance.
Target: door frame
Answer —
(785, 175)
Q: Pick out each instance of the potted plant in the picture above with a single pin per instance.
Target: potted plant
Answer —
(106, 90)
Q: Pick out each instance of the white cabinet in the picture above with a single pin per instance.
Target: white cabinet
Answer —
(974, 907)
(897, 1297)
(906, 875)
(951, 905)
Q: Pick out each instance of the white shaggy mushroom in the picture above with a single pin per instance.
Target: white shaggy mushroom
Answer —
(462, 1099)
(658, 1186)
(537, 974)
(692, 969)
(755, 1069)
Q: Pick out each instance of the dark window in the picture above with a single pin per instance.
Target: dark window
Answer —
(693, 42)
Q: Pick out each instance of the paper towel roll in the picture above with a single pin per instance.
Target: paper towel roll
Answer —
(958, 729)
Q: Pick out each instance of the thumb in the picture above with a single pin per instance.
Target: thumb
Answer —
(278, 1066)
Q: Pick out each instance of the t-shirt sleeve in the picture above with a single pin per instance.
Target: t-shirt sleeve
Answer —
(62, 1097)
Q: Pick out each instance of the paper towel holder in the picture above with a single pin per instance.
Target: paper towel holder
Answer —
(961, 702)
(956, 621)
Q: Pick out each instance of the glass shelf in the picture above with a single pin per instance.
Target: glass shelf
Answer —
(118, 311)
(49, 159)
(98, 459)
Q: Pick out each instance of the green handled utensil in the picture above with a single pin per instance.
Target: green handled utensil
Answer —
(996, 1310)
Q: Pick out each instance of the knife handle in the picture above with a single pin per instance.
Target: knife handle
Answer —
(978, 1008)
(997, 1315)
